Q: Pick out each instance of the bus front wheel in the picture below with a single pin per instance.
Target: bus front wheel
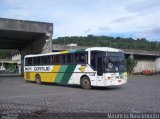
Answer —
(85, 82)
(38, 79)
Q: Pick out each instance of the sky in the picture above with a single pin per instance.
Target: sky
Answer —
(117, 18)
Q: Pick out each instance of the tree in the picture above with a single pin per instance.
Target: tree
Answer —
(131, 63)
(106, 41)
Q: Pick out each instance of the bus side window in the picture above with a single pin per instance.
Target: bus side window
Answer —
(44, 60)
(52, 60)
(77, 58)
(29, 61)
(81, 57)
(38, 61)
(48, 60)
(86, 57)
(41, 61)
(64, 59)
(34, 61)
(70, 58)
(73, 58)
(57, 59)
(93, 61)
(26, 61)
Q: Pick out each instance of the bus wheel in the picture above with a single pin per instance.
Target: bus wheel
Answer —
(38, 79)
(85, 82)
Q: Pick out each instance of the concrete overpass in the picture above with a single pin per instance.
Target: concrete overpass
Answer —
(147, 60)
(29, 37)
(25, 36)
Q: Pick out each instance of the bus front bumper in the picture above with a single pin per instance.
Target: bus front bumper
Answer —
(115, 82)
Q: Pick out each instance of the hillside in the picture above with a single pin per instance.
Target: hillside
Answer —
(118, 42)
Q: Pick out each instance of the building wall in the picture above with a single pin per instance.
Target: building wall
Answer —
(144, 65)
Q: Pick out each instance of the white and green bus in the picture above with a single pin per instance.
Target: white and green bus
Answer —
(95, 66)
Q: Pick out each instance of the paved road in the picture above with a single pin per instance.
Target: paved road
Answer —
(140, 94)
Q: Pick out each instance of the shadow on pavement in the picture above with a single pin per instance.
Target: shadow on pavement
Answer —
(78, 86)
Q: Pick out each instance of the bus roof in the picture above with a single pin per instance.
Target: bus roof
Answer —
(106, 49)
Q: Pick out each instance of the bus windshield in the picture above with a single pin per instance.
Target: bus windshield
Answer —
(114, 62)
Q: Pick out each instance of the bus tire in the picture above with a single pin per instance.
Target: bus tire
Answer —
(38, 79)
(85, 82)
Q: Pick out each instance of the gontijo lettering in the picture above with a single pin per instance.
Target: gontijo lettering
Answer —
(41, 68)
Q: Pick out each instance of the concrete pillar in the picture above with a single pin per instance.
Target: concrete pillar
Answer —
(157, 65)
(47, 45)
(22, 63)
(2, 66)
(19, 69)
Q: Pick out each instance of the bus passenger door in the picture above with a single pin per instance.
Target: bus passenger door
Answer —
(99, 67)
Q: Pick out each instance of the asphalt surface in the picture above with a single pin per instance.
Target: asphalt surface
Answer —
(140, 95)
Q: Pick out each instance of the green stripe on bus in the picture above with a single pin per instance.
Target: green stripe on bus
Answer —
(81, 50)
(74, 51)
(60, 75)
(69, 71)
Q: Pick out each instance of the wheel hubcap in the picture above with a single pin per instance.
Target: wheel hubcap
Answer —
(38, 80)
(85, 82)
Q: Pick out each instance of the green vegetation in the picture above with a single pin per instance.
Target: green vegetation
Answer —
(106, 41)
(131, 63)
(10, 67)
(5, 54)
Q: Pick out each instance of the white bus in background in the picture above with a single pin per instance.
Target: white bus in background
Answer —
(95, 66)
